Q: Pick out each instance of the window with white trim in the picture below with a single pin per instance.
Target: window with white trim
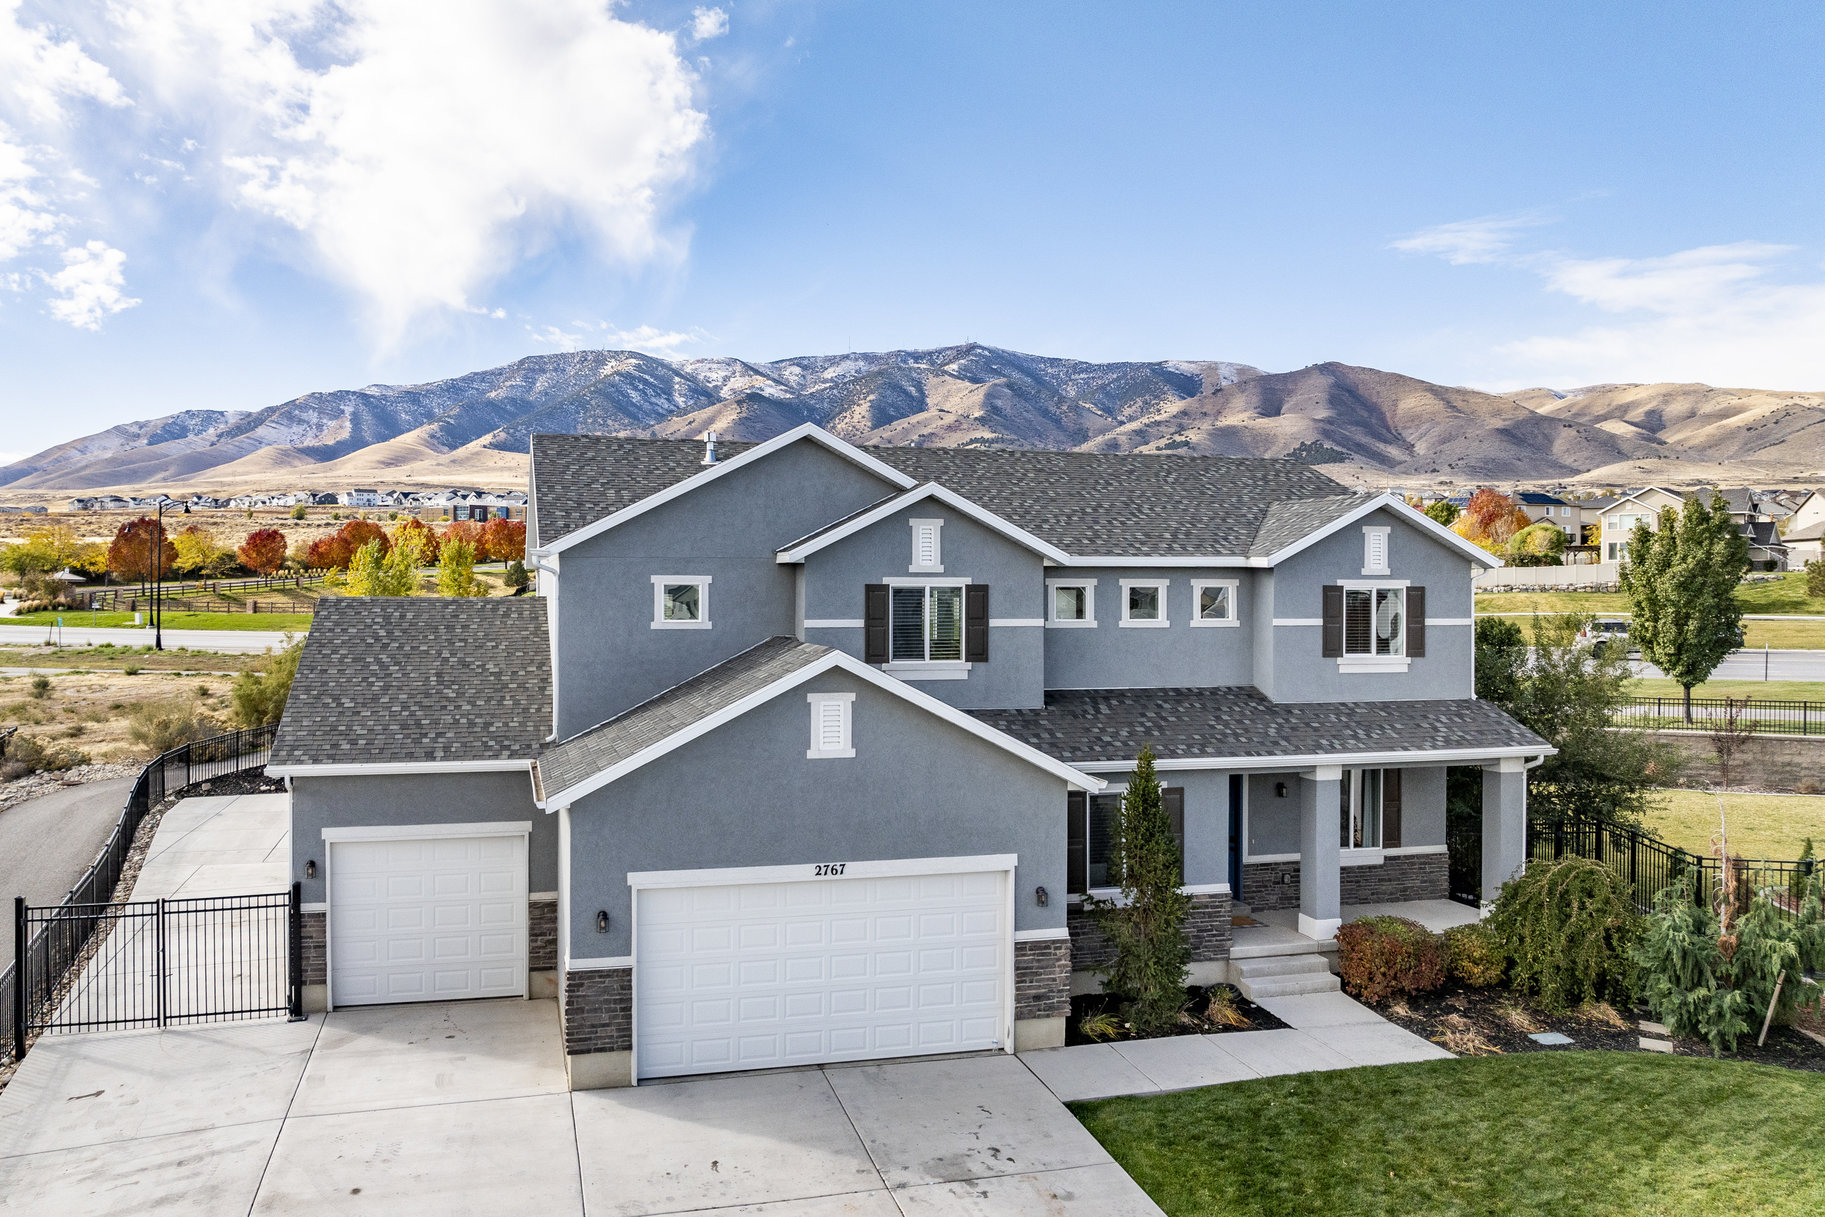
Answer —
(681, 602)
(1213, 602)
(832, 716)
(925, 623)
(1144, 602)
(1375, 549)
(1374, 621)
(927, 547)
(1071, 602)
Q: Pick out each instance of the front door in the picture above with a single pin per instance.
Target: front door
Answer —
(1235, 835)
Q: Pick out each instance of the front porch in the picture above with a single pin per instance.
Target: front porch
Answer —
(1270, 957)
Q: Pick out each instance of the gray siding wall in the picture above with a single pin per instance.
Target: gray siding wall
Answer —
(1206, 820)
(1112, 656)
(1014, 676)
(396, 799)
(1300, 673)
(745, 795)
(609, 658)
(1273, 823)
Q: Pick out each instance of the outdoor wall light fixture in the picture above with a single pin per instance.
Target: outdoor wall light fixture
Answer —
(1279, 790)
(1039, 894)
(601, 921)
(310, 869)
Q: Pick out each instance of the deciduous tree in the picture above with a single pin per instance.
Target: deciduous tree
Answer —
(503, 541)
(198, 555)
(43, 551)
(1681, 581)
(426, 538)
(1442, 511)
(263, 551)
(456, 570)
(131, 555)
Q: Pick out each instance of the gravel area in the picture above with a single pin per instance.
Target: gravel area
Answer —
(35, 784)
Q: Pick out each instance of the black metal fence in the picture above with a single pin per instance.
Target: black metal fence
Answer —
(1649, 865)
(154, 963)
(52, 956)
(1761, 715)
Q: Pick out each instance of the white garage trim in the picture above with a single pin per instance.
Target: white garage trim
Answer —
(519, 829)
(999, 864)
(734, 876)
(410, 832)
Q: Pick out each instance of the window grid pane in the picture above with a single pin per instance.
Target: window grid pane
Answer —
(1143, 604)
(1390, 620)
(1213, 604)
(1358, 611)
(907, 621)
(945, 613)
(681, 602)
(1105, 829)
(1068, 604)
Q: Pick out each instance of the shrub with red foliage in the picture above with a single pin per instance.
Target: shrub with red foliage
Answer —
(503, 541)
(1383, 957)
(337, 550)
(263, 550)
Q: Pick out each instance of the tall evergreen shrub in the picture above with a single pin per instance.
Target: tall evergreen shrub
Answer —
(1146, 923)
(1567, 928)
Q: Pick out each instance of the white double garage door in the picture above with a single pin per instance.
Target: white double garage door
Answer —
(787, 966)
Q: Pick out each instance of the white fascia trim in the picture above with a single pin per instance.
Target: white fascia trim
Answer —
(1271, 764)
(834, 623)
(314, 906)
(383, 767)
(425, 832)
(1051, 935)
(1071, 775)
(542, 897)
(799, 550)
(1210, 560)
(1299, 621)
(1001, 622)
(887, 868)
(1401, 508)
(810, 431)
(598, 963)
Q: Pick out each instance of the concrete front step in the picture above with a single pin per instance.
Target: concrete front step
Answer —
(1285, 945)
(1288, 986)
(1280, 965)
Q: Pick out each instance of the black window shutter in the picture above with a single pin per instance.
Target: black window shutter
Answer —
(1333, 623)
(1416, 622)
(1077, 853)
(1390, 808)
(874, 623)
(1174, 799)
(976, 622)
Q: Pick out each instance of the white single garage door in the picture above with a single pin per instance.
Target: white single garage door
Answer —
(760, 975)
(427, 919)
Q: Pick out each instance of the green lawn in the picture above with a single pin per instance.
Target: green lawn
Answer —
(173, 621)
(1784, 595)
(1570, 1134)
(1778, 690)
(1772, 826)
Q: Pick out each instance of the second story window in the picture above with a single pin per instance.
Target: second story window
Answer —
(1144, 602)
(1072, 603)
(681, 602)
(926, 624)
(1214, 601)
(1374, 620)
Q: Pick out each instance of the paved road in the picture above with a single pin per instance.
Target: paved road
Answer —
(1750, 665)
(244, 642)
(46, 843)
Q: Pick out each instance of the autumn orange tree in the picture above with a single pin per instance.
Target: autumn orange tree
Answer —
(1490, 520)
(502, 541)
(132, 556)
(337, 550)
(263, 551)
(423, 534)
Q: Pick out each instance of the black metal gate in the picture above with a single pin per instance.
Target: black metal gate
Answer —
(155, 963)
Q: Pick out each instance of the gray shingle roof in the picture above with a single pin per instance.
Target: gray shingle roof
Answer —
(1086, 503)
(582, 756)
(1290, 519)
(1083, 727)
(419, 679)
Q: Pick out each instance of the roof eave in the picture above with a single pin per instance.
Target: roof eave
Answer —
(1400, 507)
(798, 551)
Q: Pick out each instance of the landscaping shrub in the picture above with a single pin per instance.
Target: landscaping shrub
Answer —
(1474, 955)
(30, 754)
(259, 697)
(1714, 977)
(1383, 957)
(41, 685)
(1567, 928)
(162, 726)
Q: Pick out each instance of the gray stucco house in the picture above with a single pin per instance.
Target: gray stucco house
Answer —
(807, 752)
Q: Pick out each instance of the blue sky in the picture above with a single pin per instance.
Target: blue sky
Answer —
(225, 203)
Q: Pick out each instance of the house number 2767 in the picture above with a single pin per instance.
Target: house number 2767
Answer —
(823, 869)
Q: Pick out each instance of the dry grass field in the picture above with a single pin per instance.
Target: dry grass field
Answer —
(92, 710)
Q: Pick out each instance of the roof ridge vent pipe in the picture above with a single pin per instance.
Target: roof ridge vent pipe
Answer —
(709, 447)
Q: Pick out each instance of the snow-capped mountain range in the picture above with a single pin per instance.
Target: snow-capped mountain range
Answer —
(477, 427)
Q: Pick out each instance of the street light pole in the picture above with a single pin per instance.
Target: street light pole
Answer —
(158, 565)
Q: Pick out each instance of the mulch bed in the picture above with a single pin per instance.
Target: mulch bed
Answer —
(248, 781)
(1483, 1022)
(1191, 1019)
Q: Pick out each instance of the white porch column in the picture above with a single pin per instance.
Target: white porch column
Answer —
(1320, 910)
(1504, 823)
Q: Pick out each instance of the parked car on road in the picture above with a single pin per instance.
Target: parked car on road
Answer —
(1603, 633)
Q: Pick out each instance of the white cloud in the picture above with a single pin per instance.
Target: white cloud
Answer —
(89, 287)
(601, 335)
(27, 218)
(41, 71)
(421, 149)
(1464, 242)
(708, 23)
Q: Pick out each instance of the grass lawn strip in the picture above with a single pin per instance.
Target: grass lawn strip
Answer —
(1565, 1133)
(83, 619)
(1761, 690)
(1784, 595)
(1761, 825)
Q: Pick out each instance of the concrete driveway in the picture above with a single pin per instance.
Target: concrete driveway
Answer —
(461, 1108)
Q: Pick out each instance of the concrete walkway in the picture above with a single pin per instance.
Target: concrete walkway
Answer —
(1324, 1031)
